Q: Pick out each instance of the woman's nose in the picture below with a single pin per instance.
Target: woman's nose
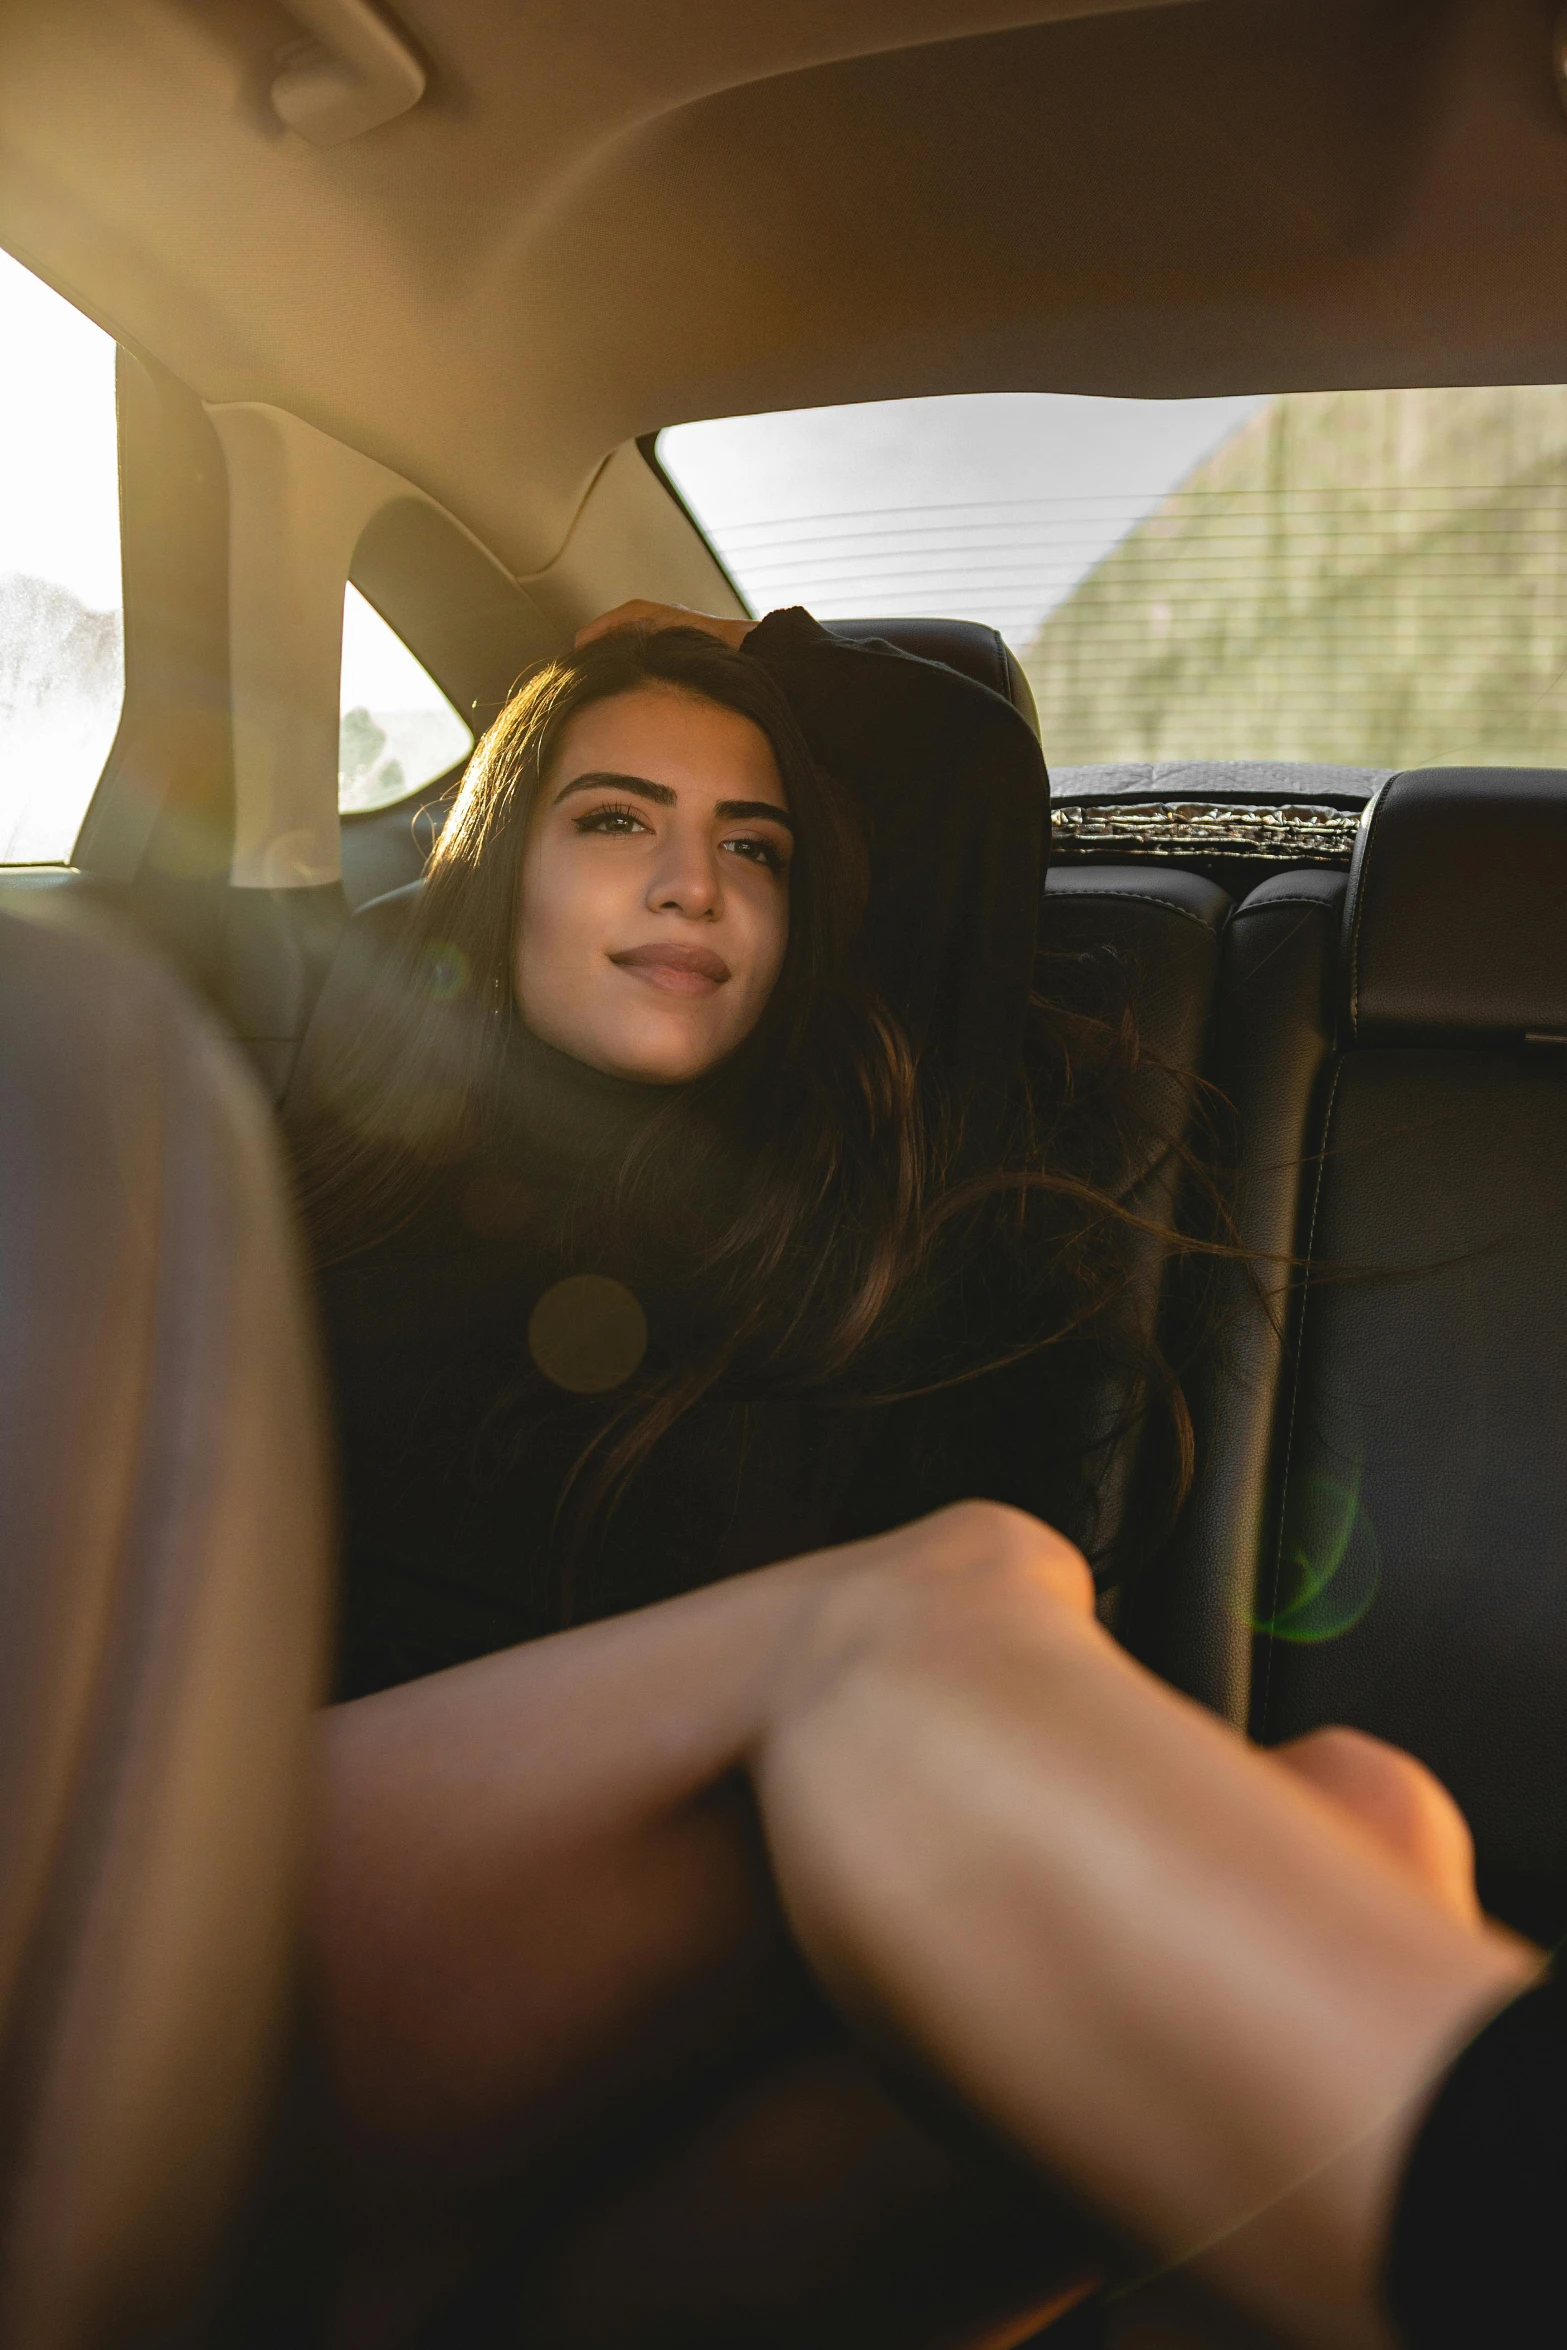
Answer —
(686, 880)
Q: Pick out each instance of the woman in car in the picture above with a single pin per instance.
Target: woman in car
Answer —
(699, 1114)
(681, 1015)
(678, 1137)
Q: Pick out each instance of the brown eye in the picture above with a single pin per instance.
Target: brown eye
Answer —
(611, 820)
(758, 851)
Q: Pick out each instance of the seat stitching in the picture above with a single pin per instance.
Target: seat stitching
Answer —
(1300, 1356)
(1360, 908)
(1316, 906)
(1135, 897)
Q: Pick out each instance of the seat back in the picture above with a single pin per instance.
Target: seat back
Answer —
(1393, 1480)
(163, 1556)
(969, 646)
(1274, 1027)
(1163, 930)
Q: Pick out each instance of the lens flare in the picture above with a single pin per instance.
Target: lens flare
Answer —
(1330, 1563)
(446, 974)
(588, 1334)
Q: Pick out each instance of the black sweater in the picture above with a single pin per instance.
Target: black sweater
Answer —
(1478, 2254)
(457, 1454)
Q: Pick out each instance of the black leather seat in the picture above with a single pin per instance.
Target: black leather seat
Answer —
(163, 1567)
(1164, 930)
(1274, 1030)
(978, 651)
(1380, 1530)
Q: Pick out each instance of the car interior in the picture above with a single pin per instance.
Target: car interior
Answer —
(394, 305)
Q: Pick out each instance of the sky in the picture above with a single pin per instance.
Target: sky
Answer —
(59, 482)
(984, 506)
(379, 672)
(59, 470)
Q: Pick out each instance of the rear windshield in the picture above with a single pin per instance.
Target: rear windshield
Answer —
(1373, 579)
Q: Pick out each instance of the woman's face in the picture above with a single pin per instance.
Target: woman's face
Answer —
(655, 887)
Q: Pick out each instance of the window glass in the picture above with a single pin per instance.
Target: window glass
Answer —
(62, 638)
(1375, 578)
(397, 731)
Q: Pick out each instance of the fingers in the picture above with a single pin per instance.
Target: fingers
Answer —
(640, 612)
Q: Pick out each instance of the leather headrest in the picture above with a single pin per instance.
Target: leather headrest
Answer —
(1457, 910)
(965, 645)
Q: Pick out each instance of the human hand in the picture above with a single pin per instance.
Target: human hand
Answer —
(641, 613)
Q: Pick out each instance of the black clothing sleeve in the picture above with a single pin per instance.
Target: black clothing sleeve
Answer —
(954, 785)
(1478, 2249)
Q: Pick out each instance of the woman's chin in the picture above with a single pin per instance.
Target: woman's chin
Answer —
(654, 1060)
(657, 1052)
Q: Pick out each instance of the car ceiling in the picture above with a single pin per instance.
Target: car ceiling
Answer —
(605, 217)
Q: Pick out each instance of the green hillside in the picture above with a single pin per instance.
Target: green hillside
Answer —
(1376, 578)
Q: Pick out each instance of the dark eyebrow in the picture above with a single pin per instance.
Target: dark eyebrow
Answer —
(755, 808)
(598, 778)
(641, 788)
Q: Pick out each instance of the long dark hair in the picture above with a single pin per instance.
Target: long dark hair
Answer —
(860, 1219)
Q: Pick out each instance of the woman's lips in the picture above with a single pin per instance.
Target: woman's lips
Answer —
(677, 970)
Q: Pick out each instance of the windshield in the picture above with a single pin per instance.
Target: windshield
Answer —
(1373, 579)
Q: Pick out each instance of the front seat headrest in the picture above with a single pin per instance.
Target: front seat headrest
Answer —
(965, 645)
(1457, 909)
(163, 1568)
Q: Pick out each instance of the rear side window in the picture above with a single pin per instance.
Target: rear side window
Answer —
(397, 731)
(62, 636)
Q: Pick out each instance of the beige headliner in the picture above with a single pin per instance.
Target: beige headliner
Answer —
(604, 217)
